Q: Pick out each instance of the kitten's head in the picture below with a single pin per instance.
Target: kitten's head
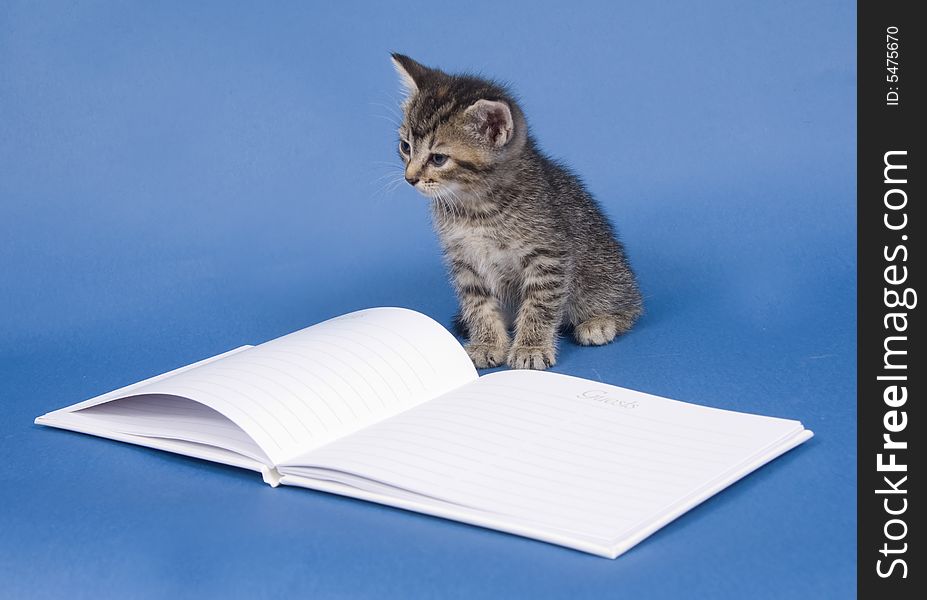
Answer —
(457, 130)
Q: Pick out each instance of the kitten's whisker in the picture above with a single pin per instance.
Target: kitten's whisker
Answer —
(392, 109)
(392, 121)
(442, 200)
(457, 203)
(390, 175)
(389, 186)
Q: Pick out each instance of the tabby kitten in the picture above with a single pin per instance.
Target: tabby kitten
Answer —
(520, 233)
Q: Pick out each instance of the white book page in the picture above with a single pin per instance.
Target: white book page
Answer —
(170, 417)
(307, 388)
(564, 454)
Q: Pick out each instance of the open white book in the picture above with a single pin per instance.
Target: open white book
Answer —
(384, 405)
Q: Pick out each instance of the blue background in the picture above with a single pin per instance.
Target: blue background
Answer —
(178, 180)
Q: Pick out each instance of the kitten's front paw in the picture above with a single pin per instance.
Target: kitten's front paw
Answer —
(532, 357)
(597, 331)
(485, 356)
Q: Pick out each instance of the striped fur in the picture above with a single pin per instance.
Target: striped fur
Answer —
(527, 246)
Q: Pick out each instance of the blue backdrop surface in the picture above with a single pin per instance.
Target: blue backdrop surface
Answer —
(179, 179)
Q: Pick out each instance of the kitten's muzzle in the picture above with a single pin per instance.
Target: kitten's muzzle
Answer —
(412, 180)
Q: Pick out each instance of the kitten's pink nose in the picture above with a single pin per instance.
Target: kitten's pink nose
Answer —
(412, 180)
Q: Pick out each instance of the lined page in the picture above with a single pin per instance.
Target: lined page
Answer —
(168, 417)
(562, 453)
(317, 384)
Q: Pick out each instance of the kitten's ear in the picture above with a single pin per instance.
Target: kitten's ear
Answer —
(410, 72)
(492, 120)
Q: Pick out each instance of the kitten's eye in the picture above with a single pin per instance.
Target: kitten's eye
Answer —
(404, 147)
(438, 159)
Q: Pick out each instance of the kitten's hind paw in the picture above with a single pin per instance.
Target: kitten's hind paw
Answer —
(597, 331)
(532, 357)
(485, 356)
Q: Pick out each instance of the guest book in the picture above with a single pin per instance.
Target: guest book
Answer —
(385, 405)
